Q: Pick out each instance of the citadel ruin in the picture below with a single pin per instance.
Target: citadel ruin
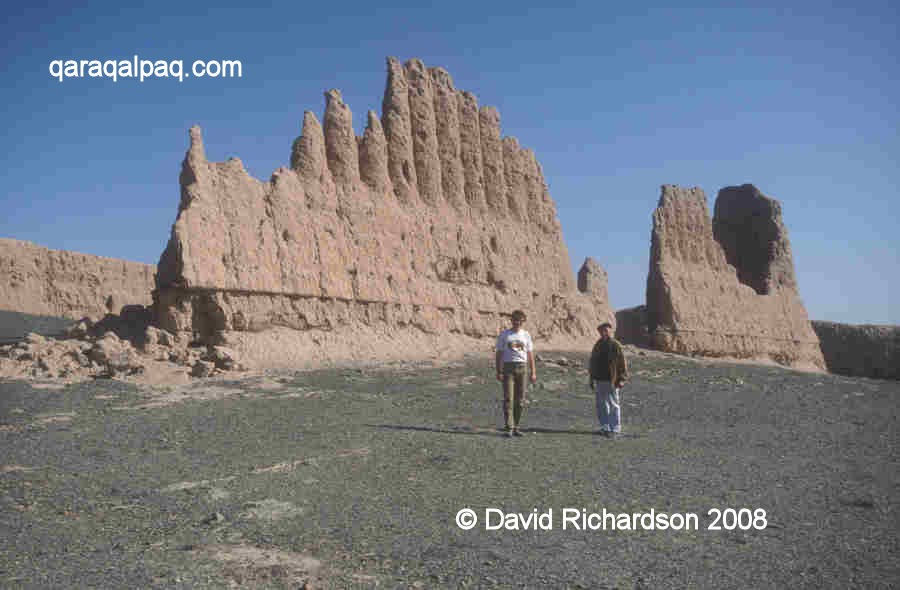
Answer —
(427, 230)
(431, 221)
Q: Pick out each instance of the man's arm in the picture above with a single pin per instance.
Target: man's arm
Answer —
(621, 366)
(531, 365)
(498, 361)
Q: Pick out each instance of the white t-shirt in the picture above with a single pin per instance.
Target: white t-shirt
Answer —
(515, 346)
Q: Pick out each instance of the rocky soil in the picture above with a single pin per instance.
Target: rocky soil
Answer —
(124, 346)
(352, 477)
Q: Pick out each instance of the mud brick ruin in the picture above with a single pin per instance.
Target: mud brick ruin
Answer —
(419, 237)
(430, 221)
(725, 286)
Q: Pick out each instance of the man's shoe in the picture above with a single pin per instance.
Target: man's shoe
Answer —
(516, 432)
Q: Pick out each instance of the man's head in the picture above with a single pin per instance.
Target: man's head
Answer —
(517, 318)
(605, 330)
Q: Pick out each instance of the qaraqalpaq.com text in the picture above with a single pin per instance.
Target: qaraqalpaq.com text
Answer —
(143, 69)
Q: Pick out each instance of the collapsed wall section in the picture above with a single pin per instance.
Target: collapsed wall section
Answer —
(430, 221)
(698, 303)
(44, 282)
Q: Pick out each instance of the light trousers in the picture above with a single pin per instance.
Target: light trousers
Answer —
(608, 410)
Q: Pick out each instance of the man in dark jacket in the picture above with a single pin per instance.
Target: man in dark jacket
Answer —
(609, 371)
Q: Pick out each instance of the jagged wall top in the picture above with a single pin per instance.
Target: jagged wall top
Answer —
(432, 146)
(430, 206)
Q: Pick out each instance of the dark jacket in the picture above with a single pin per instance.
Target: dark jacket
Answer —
(614, 361)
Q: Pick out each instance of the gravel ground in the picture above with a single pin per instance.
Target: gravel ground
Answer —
(352, 478)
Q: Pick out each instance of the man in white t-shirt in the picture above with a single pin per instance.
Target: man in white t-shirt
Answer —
(514, 355)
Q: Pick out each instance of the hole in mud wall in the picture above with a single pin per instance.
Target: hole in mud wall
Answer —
(406, 173)
(467, 264)
(208, 319)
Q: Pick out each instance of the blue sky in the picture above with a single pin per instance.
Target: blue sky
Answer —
(616, 99)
